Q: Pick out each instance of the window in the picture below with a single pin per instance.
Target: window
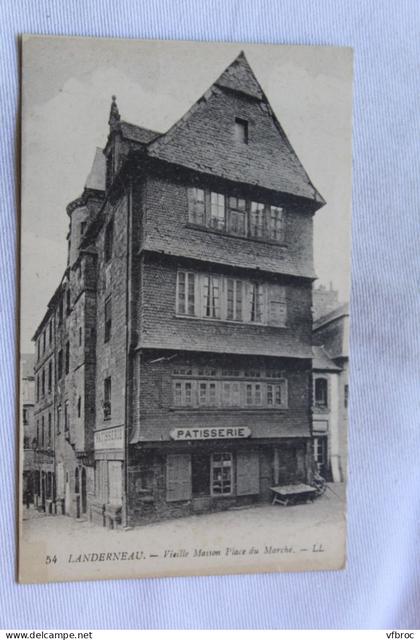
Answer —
(107, 398)
(256, 220)
(108, 319)
(346, 396)
(38, 347)
(237, 216)
(253, 393)
(109, 241)
(80, 336)
(207, 394)
(182, 393)
(196, 206)
(42, 433)
(222, 392)
(68, 302)
(43, 383)
(234, 297)
(217, 211)
(58, 427)
(320, 453)
(82, 227)
(79, 407)
(276, 224)
(231, 394)
(277, 394)
(49, 440)
(186, 293)
(50, 376)
(254, 303)
(221, 474)
(37, 433)
(66, 417)
(277, 306)
(25, 416)
(240, 130)
(321, 392)
(37, 388)
(50, 333)
(211, 296)
(67, 364)
(44, 340)
(60, 364)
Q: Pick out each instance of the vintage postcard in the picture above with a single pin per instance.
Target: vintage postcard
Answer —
(185, 241)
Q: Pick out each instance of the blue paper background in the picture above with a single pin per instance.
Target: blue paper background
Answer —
(381, 586)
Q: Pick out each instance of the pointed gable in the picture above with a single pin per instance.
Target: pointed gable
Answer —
(240, 77)
(204, 138)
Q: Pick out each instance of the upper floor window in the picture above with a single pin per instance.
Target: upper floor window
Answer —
(60, 364)
(196, 206)
(222, 298)
(44, 340)
(79, 407)
(240, 130)
(217, 211)
(276, 224)
(236, 216)
(107, 398)
(109, 241)
(49, 438)
(50, 376)
(50, 333)
(221, 392)
(66, 417)
(58, 425)
(321, 392)
(38, 347)
(43, 382)
(25, 415)
(67, 363)
(82, 227)
(108, 319)
(346, 396)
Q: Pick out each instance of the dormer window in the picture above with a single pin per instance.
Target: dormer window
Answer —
(241, 130)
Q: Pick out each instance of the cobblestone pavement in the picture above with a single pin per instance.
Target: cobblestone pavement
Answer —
(325, 510)
(305, 536)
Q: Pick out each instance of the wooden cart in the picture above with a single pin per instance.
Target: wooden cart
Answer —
(288, 494)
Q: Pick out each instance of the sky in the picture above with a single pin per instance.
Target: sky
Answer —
(66, 97)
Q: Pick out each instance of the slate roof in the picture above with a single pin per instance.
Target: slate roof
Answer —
(137, 134)
(239, 77)
(342, 310)
(279, 169)
(322, 361)
(245, 255)
(96, 177)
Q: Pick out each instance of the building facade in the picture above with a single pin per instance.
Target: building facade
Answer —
(183, 323)
(27, 395)
(331, 391)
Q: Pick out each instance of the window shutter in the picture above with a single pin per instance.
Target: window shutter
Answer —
(178, 477)
(247, 473)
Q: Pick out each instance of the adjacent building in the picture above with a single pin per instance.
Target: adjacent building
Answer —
(330, 387)
(27, 395)
(181, 331)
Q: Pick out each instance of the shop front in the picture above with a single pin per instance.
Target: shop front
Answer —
(207, 470)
